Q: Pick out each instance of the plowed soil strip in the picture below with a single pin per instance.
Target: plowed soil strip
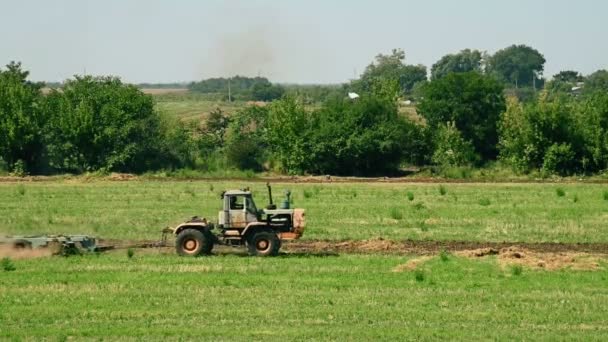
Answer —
(433, 247)
(406, 247)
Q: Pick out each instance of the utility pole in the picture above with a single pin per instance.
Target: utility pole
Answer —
(229, 91)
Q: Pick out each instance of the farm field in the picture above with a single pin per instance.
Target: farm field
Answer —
(189, 106)
(568, 213)
(346, 297)
(366, 288)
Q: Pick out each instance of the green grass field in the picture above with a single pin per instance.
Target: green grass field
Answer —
(189, 106)
(470, 212)
(158, 296)
(347, 297)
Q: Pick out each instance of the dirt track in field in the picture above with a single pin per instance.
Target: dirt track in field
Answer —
(405, 247)
(121, 177)
(434, 247)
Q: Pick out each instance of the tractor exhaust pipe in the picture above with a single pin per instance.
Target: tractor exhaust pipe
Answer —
(270, 206)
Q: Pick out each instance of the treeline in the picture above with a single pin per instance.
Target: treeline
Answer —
(239, 88)
(476, 110)
(89, 124)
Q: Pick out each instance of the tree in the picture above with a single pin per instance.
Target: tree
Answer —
(22, 119)
(517, 65)
(464, 61)
(473, 102)
(99, 123)
(598, 81)
(568, 76)
(246, 143)
(391, 67)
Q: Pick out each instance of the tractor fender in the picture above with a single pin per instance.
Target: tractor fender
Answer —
(253, 227)
(190, 225)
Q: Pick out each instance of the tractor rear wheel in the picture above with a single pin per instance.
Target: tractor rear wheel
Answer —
(193, 242)
(264, 243)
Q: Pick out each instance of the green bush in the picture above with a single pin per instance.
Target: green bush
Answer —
(560, 192)
(396, 213)
(22, 121)
(472, 101)
(451, 149)
(99, 123)
(7, 264)
(442, 190)
(410, 196)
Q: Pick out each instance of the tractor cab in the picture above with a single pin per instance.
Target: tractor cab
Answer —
(238, 211)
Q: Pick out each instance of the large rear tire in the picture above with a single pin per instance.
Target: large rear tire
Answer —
(193, 242)
(264, 243)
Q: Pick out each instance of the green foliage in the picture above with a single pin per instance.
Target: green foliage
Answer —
(130, 253)
(442, 190)
(99, 123)
(575, 198)
(21, 189)
(22, 119)
(560, 192)
(390, 67)
(473, 102)
(444, 255)
(517, 65)
(246, 141)
(396, 214)
(7, 264)
(596, 82)
(419, 275)
(451, 149)
(241, 88)
(517, 270)
(362, 137)
(410, 196)
(484, 202)
(558, 159)
(315, 93)
(605, 195)
(288, 131)
(464, 61)
(556, 134)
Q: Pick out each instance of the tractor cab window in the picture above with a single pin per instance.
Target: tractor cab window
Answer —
(250, 206)
(237, 203)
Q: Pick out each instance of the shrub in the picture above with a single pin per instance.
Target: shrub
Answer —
(396, 214)
(558, 159)
(560, 192)
(517, 270)
(22, 121)
(419, 275)
(484, 202)
(99, 123)
(442, 190)
(575, 198)
(307, 193)
(444, 255)
(7, 264)
(605, 195)
(130, 253)
(21, 189)
(451, 149)
(410, 196)
(472, 101)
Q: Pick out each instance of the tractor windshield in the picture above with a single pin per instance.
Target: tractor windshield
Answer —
(250, 205)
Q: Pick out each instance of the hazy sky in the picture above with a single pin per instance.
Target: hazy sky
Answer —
(312, 41)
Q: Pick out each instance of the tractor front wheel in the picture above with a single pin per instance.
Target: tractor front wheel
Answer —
(264, 243)
(193, 242)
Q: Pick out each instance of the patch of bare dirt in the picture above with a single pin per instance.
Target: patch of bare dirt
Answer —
(122, 176)
(411, 247)
(516, 255)
(24, 253)
(412, 264)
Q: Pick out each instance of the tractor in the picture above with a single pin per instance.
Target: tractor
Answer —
(241, 223)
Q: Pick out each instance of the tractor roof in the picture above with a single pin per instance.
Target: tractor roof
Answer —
(237, 192)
